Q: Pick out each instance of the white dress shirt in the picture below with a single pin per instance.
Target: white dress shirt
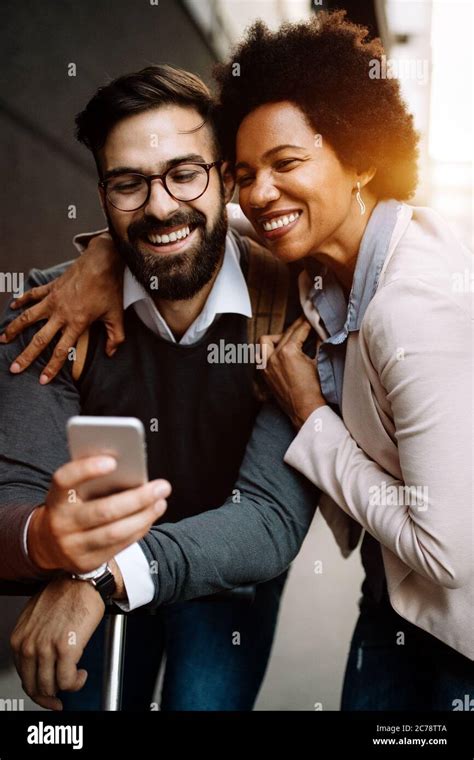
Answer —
(229, 295)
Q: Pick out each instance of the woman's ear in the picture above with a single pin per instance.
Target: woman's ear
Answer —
(228, 180)
(365, 177)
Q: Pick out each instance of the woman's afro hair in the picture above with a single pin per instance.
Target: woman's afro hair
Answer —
(323, 67)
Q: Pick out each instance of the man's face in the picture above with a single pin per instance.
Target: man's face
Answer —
(149, 143)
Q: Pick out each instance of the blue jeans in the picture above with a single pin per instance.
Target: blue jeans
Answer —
(394, 665)
(217, 652)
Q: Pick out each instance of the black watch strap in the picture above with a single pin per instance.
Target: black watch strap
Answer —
(105, 584)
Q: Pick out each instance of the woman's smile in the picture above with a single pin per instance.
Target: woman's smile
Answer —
(278, 223)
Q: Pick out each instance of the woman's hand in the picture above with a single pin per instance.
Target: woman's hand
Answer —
(292, 375)
(90, 289)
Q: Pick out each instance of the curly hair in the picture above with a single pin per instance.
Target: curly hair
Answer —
(322, 66)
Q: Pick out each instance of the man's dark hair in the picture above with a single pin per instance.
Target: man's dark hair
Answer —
(141, 91)
(322, 66)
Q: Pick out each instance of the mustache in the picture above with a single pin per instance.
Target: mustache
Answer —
(151, 224)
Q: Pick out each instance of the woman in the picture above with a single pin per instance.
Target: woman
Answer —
(324, 157)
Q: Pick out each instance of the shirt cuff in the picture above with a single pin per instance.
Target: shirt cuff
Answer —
(28, 569)
(137, 579)
(25, 534)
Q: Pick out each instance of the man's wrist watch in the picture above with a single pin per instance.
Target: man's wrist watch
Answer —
(102, 579)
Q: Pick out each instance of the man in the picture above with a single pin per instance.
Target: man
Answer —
(163, 188)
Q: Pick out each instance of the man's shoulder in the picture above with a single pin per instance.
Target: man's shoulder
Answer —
(38, 277)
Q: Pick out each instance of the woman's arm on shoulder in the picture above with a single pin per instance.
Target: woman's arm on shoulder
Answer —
(91, 288)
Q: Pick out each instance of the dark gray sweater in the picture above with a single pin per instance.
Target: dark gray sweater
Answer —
(237, 543)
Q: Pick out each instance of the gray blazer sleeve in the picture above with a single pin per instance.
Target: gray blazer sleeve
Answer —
(32, 439)
(241, 542)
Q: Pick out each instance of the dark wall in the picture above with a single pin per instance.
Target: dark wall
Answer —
(43, 169)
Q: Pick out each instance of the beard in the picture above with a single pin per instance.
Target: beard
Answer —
(180, 275)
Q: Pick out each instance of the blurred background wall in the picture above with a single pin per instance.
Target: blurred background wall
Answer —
(45, 172)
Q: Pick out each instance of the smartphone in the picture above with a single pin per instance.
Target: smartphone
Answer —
(121, 437)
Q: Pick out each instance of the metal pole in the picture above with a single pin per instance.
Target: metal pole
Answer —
(115, 631)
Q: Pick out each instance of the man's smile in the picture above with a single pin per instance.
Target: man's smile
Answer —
(170, 240)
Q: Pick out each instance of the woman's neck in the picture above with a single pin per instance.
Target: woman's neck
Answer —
(340, 252)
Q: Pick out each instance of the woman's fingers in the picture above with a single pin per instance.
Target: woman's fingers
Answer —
(36, 346)
(34, 294)
(300, 333)
(29, 317)
(60, 354)
(115, 331)
(288, 334)
(268, 344)
(296, 334)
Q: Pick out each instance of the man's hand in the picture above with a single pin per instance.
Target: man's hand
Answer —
(290, 374)
(72, 534)
(50, 637)
(90, 289)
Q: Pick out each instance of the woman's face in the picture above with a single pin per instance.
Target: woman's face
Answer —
(292, 186)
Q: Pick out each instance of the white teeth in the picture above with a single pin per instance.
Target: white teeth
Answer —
(171, 238)
(281, 221)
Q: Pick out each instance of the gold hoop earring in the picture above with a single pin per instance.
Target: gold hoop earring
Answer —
(359, 200)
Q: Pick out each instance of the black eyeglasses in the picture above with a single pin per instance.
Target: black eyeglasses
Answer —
(184, 182)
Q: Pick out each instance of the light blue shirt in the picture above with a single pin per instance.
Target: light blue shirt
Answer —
(341, 317)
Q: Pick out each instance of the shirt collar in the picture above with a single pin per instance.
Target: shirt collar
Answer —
(324, 303)
(372, 254)
(229, 295)
(340, 317)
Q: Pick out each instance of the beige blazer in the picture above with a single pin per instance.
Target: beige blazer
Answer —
(400, 462)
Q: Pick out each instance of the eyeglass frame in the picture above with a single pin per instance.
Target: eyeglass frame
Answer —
(149, 178)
